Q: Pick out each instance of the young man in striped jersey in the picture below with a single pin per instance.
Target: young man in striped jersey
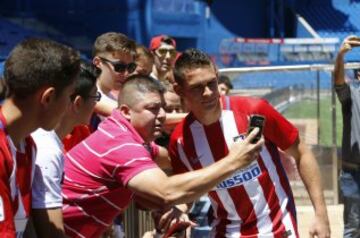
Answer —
(39, 76)
(255, 201)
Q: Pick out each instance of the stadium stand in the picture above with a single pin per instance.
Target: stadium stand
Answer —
(344, 16)
(276, 80)
(11, 34)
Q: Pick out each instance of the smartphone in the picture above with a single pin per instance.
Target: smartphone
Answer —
(256, 121)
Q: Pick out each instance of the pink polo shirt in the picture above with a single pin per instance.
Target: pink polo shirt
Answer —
(96, 175)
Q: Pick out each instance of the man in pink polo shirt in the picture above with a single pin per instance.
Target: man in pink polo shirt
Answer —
(104, 171)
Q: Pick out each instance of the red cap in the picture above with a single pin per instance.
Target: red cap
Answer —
(157, 40)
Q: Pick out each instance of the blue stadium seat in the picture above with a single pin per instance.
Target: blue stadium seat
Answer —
(10, 35)
(344, 15)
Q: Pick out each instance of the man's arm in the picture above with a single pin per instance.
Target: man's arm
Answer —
(46, 190)
(105, 107)
(49, 222)
(163, 192)
(162, 160)
(164, 218)
(172, 119)
(347, 45)
(310, 175)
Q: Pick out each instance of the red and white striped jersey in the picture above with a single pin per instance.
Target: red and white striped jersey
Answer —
(255, 201)
(16, 174)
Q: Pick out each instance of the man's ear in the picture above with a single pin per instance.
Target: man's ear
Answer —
(125, 111)
(47, 96)
(178, 89)
(77, 103)
(96, 61)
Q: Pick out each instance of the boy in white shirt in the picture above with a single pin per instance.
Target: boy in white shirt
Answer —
(47, 199)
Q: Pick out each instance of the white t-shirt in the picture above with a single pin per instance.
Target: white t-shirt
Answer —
(49, 169)
(108, 98)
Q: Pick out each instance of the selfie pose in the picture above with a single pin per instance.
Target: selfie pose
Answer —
(255, 201)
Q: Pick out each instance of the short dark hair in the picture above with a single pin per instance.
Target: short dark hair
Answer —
(190, 59)
(35, 63)
(3, 90)
(86, 80)
(141, 84)
(168, 40)
(113, 41)
(223, 79)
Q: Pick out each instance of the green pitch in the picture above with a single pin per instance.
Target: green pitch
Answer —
(307, 109)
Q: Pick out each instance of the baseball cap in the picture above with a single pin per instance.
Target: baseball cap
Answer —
(157, 40)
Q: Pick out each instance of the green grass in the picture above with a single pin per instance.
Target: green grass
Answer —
(307, 109)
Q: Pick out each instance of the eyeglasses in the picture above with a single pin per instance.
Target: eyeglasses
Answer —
(163, 52)
(120, 67)
(97, 96)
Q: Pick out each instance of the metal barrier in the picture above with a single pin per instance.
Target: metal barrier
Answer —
(137, 222)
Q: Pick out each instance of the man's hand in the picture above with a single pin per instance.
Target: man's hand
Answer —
(348, 44)
(320, 227)
(244, 152)
(164, 219)
(339, 72)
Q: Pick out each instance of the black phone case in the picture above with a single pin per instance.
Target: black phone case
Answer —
(256, 121)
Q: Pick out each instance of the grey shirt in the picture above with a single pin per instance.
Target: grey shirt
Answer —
(349, 97)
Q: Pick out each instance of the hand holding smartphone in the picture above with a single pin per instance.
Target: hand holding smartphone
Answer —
(256, 121)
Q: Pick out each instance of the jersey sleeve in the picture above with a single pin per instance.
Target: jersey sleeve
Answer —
(277, 128)
(46, 190)
(178, 166)
(7, 225)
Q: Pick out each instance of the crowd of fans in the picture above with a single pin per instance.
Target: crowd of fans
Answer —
(81, 140)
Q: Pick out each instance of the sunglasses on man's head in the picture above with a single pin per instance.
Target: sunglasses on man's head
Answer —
(120, 67)
(163, 52)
